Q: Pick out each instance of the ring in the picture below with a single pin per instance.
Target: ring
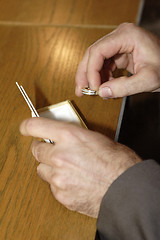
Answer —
(88, 91)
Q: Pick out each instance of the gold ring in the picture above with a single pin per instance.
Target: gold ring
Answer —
(89, 91)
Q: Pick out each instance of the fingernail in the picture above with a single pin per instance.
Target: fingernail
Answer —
(105, 92)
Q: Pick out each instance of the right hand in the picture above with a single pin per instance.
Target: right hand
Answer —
(127, 47)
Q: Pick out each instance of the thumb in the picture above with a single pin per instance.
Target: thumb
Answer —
(146, 80)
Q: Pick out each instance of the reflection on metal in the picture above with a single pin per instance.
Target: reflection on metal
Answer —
(88, 91)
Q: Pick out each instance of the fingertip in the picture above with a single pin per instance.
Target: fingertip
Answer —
(22, 127)
(33, 148)
(26, 126)
(78, 91)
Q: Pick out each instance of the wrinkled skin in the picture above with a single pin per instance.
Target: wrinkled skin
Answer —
(80, 166)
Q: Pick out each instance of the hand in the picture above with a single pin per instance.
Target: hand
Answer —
(80, 166)
(128, 47)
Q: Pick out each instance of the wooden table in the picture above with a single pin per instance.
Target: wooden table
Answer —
(70, 12)
(41, 50)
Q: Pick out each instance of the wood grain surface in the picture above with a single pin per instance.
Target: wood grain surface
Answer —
(44, 61)
(96, 12)
(41, 44)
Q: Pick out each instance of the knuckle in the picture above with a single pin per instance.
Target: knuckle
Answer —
(57, 158)
(92, 49)
(57, 161)
(68, 134)
(126, 26)
(59, 195)
(58, 182)
(39, 169)
(153, 75)
(63, 199)
(52, 159)
(52, 180)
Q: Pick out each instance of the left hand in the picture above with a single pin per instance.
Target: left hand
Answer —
(80, 166)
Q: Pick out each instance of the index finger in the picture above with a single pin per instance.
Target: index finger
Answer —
(102, 50)
(43, 128)
(88, 72)
(81, 76)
